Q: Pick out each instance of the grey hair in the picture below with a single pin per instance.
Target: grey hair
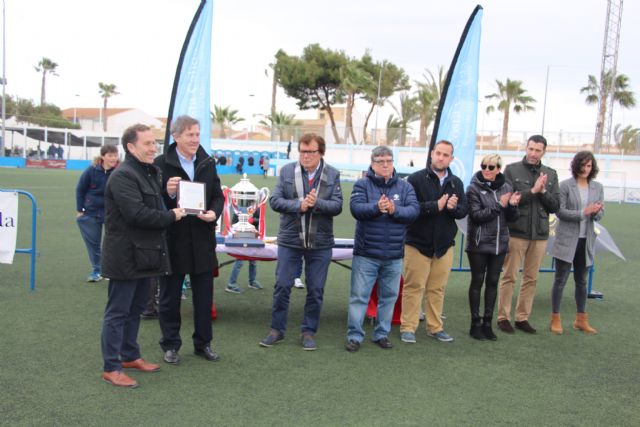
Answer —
(381, 151)
(182, 123)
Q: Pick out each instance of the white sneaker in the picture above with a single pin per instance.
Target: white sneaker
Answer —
(298, 283)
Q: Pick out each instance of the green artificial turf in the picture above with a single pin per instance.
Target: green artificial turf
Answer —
(50, 360)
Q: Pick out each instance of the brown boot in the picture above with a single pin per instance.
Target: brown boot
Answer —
(556, 326)
(582, 324)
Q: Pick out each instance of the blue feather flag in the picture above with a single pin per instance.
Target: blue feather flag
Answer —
(191, 86)
(456, 120)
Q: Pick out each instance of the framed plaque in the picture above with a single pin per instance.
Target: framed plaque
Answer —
(191, 197)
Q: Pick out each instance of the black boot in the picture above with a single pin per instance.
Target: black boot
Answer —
(486, 329)
(476, 329)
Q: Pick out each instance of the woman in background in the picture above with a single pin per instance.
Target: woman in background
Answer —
(581, 205)
(90, 205)
(492, 203)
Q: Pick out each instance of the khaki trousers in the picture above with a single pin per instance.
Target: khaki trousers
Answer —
(529, 255)
(424, 279)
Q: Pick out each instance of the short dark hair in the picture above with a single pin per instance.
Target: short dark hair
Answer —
(308, 138)
(445, 142)
(581, 158)
(108, 148)
(182, 123)
(130, 134)
(538, 139)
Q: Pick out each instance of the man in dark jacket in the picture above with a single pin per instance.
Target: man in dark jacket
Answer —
(540, 196)
(134, 250)
(430, 241)
(307, 196)
(383, 206)
(192, 241)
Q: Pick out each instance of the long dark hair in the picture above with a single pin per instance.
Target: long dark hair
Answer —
(581, 158)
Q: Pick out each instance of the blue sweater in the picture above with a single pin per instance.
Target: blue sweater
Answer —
(90, 191)
(381, 235)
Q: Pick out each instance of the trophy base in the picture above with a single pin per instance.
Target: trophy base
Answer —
(244, 242)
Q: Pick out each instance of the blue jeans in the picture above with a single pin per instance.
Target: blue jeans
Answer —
(364, 273)
(237, 266)
(126, 301)
(316, 263)
(91, 231)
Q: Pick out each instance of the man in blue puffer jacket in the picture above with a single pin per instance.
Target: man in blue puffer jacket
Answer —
(383, 206)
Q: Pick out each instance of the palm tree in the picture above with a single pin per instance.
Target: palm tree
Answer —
(510, 96)
(627, 139)
(225, 117)
(106, 90)
(407, 113)
(622, 95)
(428, 98)
(282, 122)
(45, 66)
(393, 129)
(354, 80)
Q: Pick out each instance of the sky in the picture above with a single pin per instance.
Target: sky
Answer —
(135, 45)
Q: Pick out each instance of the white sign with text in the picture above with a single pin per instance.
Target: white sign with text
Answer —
(8, 226)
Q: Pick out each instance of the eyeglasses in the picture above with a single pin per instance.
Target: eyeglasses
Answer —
(491, 167)
(308, 152)
(383, 162)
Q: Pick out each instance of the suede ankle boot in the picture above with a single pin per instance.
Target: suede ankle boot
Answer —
(556, 325)
(582, 323)
(487, 331)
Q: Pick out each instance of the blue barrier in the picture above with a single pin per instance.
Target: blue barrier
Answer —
(12, 162)
(590, 292)
(32, 249)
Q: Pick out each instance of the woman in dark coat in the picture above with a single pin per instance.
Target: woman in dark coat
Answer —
(90, 205)
(492, 203)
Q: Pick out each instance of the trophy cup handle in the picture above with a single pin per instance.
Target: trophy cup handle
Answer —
(264, 196)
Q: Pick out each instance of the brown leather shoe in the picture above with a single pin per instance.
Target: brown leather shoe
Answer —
(524, 326)
(120, 379)
(505, 326)
(141, 365)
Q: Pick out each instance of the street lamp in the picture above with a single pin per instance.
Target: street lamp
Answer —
(4, 82)
(75, 104)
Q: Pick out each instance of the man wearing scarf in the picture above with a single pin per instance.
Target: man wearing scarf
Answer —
(307, 196)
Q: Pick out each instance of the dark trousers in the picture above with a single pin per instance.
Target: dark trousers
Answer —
(485, 268)
(91, 231)
(169, 309)
(126, 300)
(580, 273)
(316, 263)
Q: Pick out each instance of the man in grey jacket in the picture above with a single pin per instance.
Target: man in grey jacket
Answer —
(540, 196)
(307, 196)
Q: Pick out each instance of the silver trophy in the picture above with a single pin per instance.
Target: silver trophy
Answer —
(246, 198)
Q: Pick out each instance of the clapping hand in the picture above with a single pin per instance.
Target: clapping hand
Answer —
(309, 201)
(504, 199)
(442, 201)
(452, 202)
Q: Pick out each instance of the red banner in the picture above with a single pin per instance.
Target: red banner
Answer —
(47, 164)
